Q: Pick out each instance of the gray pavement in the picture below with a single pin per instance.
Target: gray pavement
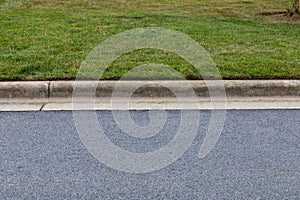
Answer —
(256, 157)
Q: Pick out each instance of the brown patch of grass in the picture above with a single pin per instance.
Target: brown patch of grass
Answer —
(225, 8)
(286, 17)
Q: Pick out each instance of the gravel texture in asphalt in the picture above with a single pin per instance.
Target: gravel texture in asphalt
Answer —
(257, 156)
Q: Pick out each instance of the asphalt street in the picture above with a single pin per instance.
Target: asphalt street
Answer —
(256, 157)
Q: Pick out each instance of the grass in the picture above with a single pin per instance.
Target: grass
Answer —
(48, 40)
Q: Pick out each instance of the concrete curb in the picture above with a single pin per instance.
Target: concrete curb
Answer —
(234, 88)
(24, 89)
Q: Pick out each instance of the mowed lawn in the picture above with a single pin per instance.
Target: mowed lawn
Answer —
(48, 40)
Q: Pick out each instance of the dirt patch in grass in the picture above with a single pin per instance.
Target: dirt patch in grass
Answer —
(286, 17)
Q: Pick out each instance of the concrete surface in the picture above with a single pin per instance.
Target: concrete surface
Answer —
(64, 89)
(5, 107)
(24, 89)
(57, 95)
(150, 104)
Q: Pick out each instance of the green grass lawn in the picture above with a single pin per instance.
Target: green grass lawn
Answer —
(48, 40)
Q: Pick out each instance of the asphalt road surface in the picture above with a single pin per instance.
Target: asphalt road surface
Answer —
(256, 157)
